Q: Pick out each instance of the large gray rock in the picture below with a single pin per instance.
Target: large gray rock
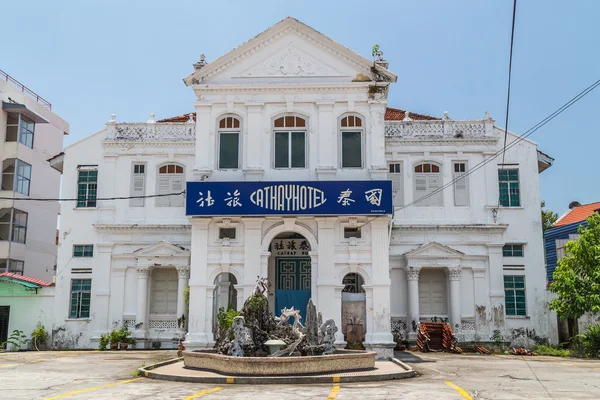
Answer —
(523, 341)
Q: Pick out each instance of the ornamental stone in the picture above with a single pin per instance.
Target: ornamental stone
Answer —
(412, 273)
(454, 273)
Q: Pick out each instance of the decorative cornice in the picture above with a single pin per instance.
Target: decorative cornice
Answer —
(440, 142)
(148, 143)
(119, 228)
(288, 88)
(450, 227)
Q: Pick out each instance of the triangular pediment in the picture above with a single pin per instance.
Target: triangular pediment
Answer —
(433, 250)
(288, 50)
(162, 249)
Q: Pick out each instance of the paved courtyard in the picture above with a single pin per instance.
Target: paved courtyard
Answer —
(109, 375)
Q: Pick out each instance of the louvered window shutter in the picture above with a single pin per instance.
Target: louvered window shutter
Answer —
(176, 187)
(137, 189)
(420, 188)
(398, 189)
(433, 184)
(460, 189)
(164, 187)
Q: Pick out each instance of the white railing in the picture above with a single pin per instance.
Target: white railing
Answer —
(150, 131)
(441, 129)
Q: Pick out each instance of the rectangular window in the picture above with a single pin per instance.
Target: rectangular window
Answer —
(87, 187)
(397, 184)
(138, 185)
(512, 250)
(228, 233)
(21, 128)
(229, 150)
(14, 266)
(13, 225)
(514, 295)
(351, 150)
(351, 233)
(80, 298)
(290, 150)
(508, 181)
(461, 189)
(83, 250)
(16, 175)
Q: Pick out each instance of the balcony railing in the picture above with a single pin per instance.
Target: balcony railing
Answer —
(439, 129)
(150, 131)
(26, 90)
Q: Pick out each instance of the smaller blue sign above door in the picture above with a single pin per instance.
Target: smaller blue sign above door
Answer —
(289, 198)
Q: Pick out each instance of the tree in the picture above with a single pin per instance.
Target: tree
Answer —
(577, 275)
(549, 217)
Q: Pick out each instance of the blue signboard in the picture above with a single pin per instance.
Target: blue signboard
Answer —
(289, 198)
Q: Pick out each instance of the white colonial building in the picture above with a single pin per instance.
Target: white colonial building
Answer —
(287, 160)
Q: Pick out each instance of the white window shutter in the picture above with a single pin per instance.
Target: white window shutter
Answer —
(138, 182)
(164, 187)
(176, 187)
(397, 188)
(420, 188)
(433, 184)
(460, 189)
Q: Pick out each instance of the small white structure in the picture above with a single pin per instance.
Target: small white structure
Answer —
(291, 105)
(31, 133)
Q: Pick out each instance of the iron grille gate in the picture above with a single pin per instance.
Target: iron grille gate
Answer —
(4, 313)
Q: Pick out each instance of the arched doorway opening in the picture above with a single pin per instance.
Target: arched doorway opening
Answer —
(354, 308)
(290, 273)
(225, 294)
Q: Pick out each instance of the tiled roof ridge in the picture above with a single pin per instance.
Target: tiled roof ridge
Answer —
(26, 279)
(577, 214)
(391, 114)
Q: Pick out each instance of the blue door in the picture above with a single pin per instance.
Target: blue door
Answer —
(292, 284)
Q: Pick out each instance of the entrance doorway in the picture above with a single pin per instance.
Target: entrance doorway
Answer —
(291, 272)
(354, 308)
(4, 314)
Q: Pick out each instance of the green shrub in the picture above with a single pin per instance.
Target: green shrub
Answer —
(16, 340)
(225, 320)
(39, 336)
(103, 341)
(591, 340)
(545, 350)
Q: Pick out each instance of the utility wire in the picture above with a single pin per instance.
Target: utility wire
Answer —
(97, 199)
(512, 39)
(527, 133)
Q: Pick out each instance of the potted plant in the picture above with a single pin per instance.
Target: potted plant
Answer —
(125, 338)
(39, 338)
(113, 339)
(103, 341)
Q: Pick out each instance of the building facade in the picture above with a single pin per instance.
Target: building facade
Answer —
(297, 170)
(31, 133)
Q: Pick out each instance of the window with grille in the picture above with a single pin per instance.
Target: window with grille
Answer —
(20, 128)
(508, 181)
(290, 142)
(427, 183)
(512, 250)
(397, 184)
(351, 138)
(350, 232)
(170, 180)
(87, 186)
(81, 290)
(461, 183)
(229, 143)
(13, 225)
(514, 295)
(228, 233)
(14, 266)
(138, 185)
(83, 250)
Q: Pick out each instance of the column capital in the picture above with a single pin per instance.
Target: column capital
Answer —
(144, 272)
(454, 273)
(183, 272)
(412, 273)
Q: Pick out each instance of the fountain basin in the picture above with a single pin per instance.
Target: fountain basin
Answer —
(340, 361)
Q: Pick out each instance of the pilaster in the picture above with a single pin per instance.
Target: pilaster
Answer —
(454, 285)
(101, 289)
(202, 164)
(496, 286)
(327, 139)
(252, 254)
(254, 156)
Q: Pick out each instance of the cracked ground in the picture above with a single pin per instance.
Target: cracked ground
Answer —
(109, 375)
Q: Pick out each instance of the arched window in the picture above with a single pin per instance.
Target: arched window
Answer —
(351, 139)
(428, 179)
(229, 143)
(170, 180)
(290, 142)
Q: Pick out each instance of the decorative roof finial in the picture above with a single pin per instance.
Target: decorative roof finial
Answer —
(446, 115)
(487, 116)
(407, 116)
(113, 118)
(151, 120)
(191, 118)
(200, 63)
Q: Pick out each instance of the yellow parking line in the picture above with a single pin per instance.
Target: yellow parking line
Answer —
(334, 392)
(60, 396)
(8, 365)
(202, 393)
(459, 390)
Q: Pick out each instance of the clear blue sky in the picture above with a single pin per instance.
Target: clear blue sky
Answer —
(93, 58)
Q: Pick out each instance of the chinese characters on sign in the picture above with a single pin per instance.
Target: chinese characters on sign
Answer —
(289, 198)
(290, 247)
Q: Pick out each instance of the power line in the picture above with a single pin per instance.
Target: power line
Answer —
(527, 133)
(512, 39)
(97, 199)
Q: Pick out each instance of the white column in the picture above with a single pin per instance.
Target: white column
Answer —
(183, 275)
(496, 286)
(101, 290)
(200, 313)
(314, 272)
(203, 141)
(454, 283)
(239, 302)
(412, 278)
(375, 159)
(381, 338)
(106, 189)
(327, 140)
(253, 257)
(141, 314)
(254, 157)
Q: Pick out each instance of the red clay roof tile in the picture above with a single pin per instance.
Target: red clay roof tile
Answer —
(578, 214)
(26, 279)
